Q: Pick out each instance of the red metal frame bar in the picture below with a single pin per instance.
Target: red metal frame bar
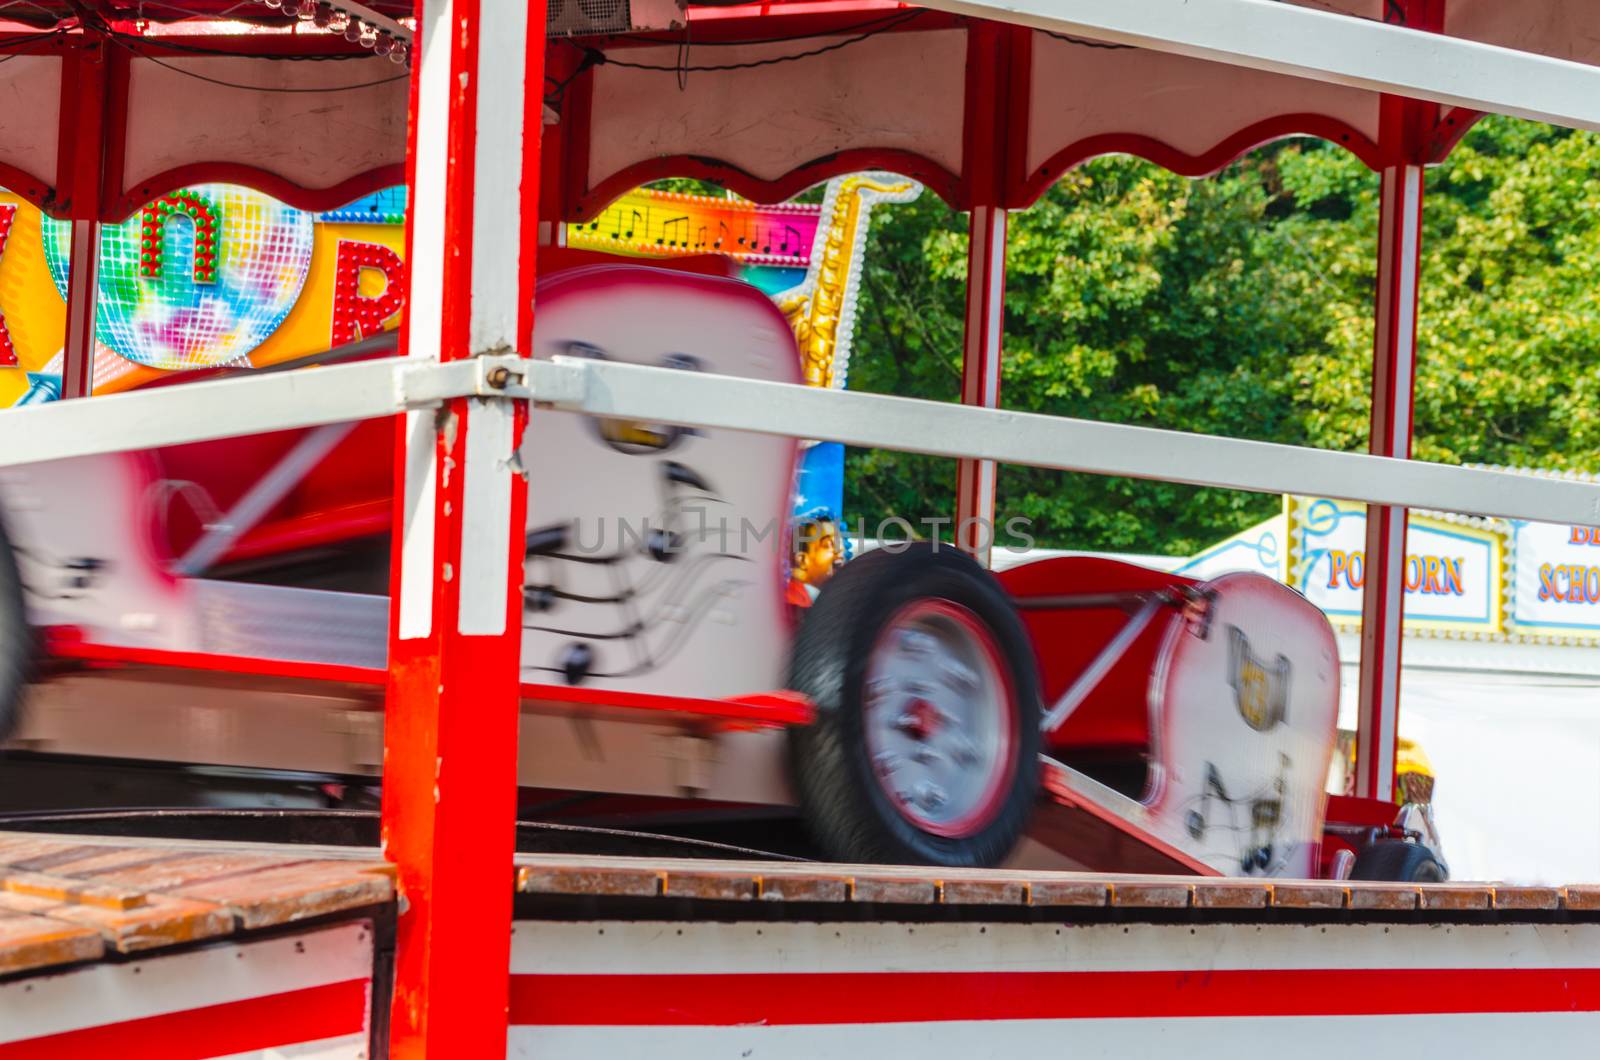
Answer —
(756, 710)
(453, 706)
(88, 77)
(989, 145)
(1404, 129)
(1453, 124)
(124, 204)
(980, 372)
(1207, 162)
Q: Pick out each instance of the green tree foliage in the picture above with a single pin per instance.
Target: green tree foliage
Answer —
(1242, 305)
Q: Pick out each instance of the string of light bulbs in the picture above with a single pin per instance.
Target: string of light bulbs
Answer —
(357, 23)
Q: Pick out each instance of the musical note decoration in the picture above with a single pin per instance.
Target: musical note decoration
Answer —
(650, 223)
(773, 242)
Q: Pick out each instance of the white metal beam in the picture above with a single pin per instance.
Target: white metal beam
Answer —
(1324, 46)
(692, 399)
(224, 408)
(314, 396)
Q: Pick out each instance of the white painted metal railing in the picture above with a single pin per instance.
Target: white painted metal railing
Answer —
(610, 388)
(222, 408)
(1324, 46)
(314, 396)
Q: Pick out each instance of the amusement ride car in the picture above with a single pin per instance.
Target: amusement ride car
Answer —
(1200, 716)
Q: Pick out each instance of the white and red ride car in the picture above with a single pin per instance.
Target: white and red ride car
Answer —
(1197, 716)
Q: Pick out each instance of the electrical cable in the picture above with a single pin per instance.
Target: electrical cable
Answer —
(859, 27)
(1080, 42)
(888, 24)
(255, 88)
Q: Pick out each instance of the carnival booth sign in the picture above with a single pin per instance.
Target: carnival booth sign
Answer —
(1555, 580)
(1261, 549)
(1452, 569)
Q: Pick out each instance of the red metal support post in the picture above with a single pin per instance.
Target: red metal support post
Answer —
(986, 147)
(1393, 380)
(77, 348)
(980, 372)
(1405, 129)
(85, 124)
(451, 721)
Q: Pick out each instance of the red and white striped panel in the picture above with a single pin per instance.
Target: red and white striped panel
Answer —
(300, 997)
(957, 991)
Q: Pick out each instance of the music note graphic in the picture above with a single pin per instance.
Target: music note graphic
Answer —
(634, 221)
(669, 235)
(700, 240)
(791, 230)
(722, 233)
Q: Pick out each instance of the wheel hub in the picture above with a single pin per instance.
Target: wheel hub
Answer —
(939, 718)
(921, 720)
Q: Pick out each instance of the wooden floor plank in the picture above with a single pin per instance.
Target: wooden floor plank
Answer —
(29, 942)
(65, 899)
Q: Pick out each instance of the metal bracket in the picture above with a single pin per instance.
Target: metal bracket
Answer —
(427, 384)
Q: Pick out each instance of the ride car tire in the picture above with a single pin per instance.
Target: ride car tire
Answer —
(1398, 861)
(980, 701)
(16, 640)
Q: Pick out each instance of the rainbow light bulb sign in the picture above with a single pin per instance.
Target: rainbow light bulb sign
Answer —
(197, 279)
(207, 276)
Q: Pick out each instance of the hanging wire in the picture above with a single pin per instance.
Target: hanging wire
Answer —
(29, 38)
(683, 55)
(1080, 42)
(884, 26)
(859, 27)
(117, 39)
(557, 90)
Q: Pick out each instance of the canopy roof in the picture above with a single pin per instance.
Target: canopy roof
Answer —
(116, 103)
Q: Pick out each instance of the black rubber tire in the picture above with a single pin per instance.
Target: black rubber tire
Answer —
(1398, 861)
(17, 644)
(846, 810)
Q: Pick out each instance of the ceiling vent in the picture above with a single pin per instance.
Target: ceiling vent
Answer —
(594, 18)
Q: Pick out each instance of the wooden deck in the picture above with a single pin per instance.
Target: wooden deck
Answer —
(803, 882)
(67, 899)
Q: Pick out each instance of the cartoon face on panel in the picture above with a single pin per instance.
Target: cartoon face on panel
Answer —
(656, 553)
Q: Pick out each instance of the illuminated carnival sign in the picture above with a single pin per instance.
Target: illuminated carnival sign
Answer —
(805, 256)
(1263, 549)
(1451, 569)
(1463, 577)
(209, 275)
(1555, 579)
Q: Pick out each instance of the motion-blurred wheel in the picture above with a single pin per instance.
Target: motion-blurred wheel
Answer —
(925, 747)
(1398, 861)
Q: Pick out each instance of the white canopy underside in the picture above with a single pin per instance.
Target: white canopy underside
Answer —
(901, 91)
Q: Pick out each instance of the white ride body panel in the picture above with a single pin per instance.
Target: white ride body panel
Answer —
(1243, 725)
(109, 510)
(1195, 991)
(102, 510)
(213, 978)
(711, 620)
